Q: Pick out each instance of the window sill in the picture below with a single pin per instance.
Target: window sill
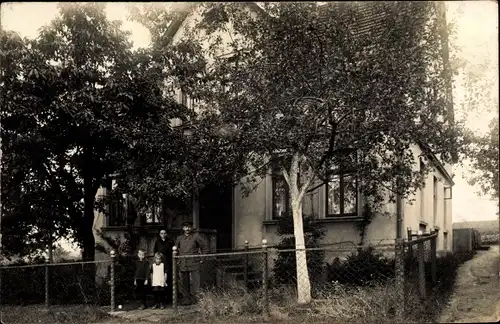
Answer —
(340, 219)
(423, 223)
(331, 219)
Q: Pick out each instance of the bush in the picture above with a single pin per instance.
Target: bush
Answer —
(285, 269)
(361, 268)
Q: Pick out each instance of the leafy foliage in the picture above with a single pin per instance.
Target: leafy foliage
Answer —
(309, 87)
(364, 267)
(340, 85)
(285, 266)
(484, 152)
(78, 103)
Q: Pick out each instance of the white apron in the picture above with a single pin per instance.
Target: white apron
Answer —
(158, 277)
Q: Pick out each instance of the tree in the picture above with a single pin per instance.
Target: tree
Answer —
(309, 88)
(484, 152)
(174, 162)
(74, 101)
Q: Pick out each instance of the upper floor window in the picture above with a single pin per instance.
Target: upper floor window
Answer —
(184, 98)
(187, 101)
(342, 195)
(116, 206)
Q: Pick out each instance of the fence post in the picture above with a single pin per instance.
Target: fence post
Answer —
(433, 260)
(47, 282)
(400, 277)
(174, 278)
(421, 268)
(410, 246)
(245, 274)
(112, 254)
(264, 276)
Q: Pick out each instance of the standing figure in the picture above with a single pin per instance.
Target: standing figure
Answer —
(189, 243)
(141, 277)
(158, 280)
(163, 245)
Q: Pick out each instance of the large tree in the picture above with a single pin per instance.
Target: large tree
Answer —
(320, 91)
(175, 161)
(74, 101)
(484, 155)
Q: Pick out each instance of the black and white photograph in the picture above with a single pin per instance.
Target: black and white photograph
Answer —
(249, 162)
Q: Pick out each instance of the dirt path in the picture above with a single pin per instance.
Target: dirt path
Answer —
(477, 292)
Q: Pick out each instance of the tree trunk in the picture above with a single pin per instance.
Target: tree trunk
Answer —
(88, 239)
(303, 282)
(296, 196)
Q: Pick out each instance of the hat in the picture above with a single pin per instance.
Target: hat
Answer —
(188, 223)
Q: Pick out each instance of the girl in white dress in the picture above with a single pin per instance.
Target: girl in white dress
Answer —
(158, 280)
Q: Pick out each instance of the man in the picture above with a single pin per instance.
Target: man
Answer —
(189, 243)
(163, 245)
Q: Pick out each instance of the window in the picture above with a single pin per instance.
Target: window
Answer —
(342, 195)
(117, 212)
(445, 210)
(116, 208)
(280, 196)
(184, 98)
(154, 214)
(435, 201)
(422, 193)
(445, 241)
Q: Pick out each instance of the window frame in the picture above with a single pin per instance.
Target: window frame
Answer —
(157, 209)
(341, 213)
(115, 208)
(275, 177)
(184, 98)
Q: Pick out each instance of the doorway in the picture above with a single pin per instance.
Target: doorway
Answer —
(216, 212)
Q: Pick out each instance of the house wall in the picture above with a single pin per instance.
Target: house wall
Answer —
(252, 220)
(419, 208)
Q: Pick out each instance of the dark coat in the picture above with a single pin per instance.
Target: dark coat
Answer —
(165, 248)
(189, 245)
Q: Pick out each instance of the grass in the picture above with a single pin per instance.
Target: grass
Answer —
(56, 314)
(337, 303)
(340, 304)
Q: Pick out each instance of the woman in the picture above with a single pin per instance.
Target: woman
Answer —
(164, 246)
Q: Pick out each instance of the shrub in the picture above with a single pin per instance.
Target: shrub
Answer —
(361, 268)
(285, 269)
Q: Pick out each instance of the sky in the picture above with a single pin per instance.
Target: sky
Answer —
(477, 36)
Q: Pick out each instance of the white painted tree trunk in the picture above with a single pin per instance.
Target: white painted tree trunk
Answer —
(303, 282)
(296, 197)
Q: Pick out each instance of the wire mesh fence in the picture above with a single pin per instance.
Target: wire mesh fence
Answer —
(218, 273)
(56, 284)
(270, 275)
(420, 263)
(266, 271)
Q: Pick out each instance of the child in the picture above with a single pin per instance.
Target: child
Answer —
(142, 270)
(158, 280)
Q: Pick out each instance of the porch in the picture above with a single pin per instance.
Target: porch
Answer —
(211, 212)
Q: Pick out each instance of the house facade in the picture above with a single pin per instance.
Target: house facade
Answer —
(228, 219)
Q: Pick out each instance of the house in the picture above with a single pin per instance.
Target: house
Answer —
(228, 219)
